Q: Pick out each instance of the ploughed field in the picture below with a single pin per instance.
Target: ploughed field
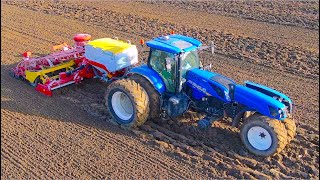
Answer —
(69, 135)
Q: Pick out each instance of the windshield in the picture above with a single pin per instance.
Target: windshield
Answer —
(189, 60)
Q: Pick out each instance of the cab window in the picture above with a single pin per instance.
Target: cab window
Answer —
(189, 60)
(165, 64)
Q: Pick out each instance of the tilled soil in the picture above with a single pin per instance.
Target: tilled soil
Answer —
(289, 12)
(295, 59)
(70, 134)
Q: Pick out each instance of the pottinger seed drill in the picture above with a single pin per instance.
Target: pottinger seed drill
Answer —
(68, 65)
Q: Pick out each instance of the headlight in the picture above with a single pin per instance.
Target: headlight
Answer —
(281, 112)
(284, 112)
(274, 111)
(227, 95)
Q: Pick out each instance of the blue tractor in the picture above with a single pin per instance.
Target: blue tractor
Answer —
(173, 81)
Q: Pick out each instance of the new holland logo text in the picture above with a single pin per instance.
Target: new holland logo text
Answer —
(204, 90)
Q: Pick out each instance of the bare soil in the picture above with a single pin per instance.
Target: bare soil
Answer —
(70, 135)
(289, 12)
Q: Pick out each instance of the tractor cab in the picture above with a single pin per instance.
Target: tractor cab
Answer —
(171, 57)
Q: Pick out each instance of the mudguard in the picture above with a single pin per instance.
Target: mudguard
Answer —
(151, 75)
(259, 101)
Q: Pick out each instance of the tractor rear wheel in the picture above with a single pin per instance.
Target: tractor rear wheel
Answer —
(153, 95)
(291, 127)
(263, 136)
(127, 103)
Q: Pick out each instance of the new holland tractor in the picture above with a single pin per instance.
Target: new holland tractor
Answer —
(169, 84)
(172, 81)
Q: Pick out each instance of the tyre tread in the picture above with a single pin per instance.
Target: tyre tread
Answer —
(153, 94)
(291, 128)
(139, 96)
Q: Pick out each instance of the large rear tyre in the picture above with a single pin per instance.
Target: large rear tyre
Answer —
(291, 128)
(154, 96)
(263, 136)
(127, 103)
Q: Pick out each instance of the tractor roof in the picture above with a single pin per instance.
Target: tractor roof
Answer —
(174, 43)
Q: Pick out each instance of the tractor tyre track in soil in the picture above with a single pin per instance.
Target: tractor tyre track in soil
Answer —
(69, 135)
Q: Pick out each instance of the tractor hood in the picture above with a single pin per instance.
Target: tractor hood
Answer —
(272, 93)
(205, 83)
(254, 96)
(259, 102)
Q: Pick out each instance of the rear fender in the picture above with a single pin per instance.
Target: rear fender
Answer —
(151, 75)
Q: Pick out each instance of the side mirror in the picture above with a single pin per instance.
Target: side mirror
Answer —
(144, 59)
(212, 45)
(207, 68)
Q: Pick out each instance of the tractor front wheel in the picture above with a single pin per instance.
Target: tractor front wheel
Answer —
(291, 127)
(127, 103)
(263, 136)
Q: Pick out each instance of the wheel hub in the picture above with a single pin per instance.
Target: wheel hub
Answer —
(122, 105)
(259, 138)
(262, 135)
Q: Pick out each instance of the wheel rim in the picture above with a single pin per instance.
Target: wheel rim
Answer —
(259, 138)
(122, 106)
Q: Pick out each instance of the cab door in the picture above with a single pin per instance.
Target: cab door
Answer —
(164, 63)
